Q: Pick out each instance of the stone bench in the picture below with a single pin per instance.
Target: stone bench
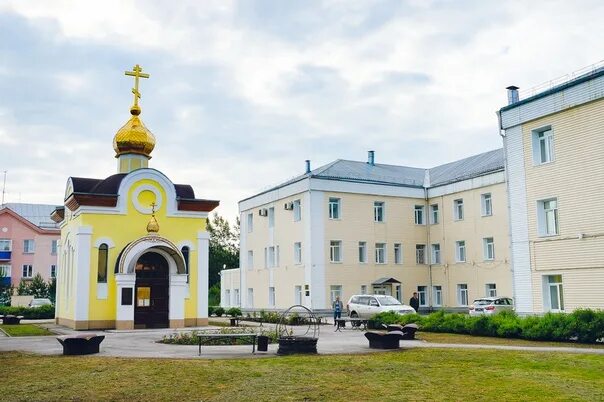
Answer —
(80, 344)
(11, 319)
(381, 340)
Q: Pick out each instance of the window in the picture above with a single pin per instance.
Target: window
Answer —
(547, 217)
(335, 291)
(237, 300)
(53, 271)
(437, 294)
(335, 251)
(185, 253)
(102, 264)
(53, 247)
(298, 294)
(556, 294)
(436, 253)
(363, 289)
(422, 295)
(380, 253)
(460, 251)
(5, 271)
(420, 253)
(250, 297)
(271, 217)
(363, 252)
(490, 290)
(398, 253)
(28, 246)
(488, 248)
(298, 253)
(334, 208)
(434, 214)
(419, 215)
(378, 211)
(543, 146)
(250, 259)
(271, 296)
(265, 257)
(271, 257)
(297, 210)
(398, 293)
(462, 294)
(28, 271)
(458, 209)
(250, 222)
(486, 204)
(5, 245)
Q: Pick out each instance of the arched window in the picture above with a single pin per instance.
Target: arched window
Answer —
(102, 271)
(185, 253)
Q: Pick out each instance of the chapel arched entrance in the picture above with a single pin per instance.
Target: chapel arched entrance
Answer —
(152, 291)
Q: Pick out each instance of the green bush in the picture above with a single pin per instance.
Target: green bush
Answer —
(587, 325)
(190, 338)
(219, 311)
(42, 312)
(234, 312)
(211, 310)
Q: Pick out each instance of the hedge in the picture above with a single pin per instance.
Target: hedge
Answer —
(29, 313)
(584, 325)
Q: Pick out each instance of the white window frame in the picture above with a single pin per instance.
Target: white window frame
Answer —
(236, 296)
(434, 214)
(460, 251)
(29, 246)
(227, 297)
(437, 296)
(297, 210)
(543, 146)
(551, 282)
(398, 253)
(547, 227)
(298, 294)
(420, 251)
(53, 271)
(335, 210)
(265, 257)
(250, 297)
(250, 222)
(379, 211)
(381, 253)
(272, 257)
(363, 289)
(271, 217)
(435, 253)
(6, 245)
(422, 293)
(250, 260)
(490, 289)
(419, 214)
(271, 296)
(362, 252)
(5, 271)
(486, 204)
(462, 294)
(335, 290)
(458, 210)
(29, 273)
(335, 250)
(488, 245)
(298, 253)
(53, 246)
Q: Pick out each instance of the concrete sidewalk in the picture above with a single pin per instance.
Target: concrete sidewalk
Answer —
(143, 344)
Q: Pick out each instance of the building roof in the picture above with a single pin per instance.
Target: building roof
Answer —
(37, 214)
(474, 166)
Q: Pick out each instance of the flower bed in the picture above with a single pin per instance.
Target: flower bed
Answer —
(190, 338)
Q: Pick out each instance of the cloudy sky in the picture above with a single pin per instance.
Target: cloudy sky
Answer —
(241, 93)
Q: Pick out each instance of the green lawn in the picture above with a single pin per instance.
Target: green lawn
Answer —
(415, 374)
(25, 330)
(435, 337)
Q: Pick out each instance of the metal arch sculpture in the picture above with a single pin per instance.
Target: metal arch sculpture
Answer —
(297, 331)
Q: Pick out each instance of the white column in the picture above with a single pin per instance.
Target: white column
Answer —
(82, 279)
(178, 291)
(243, 267)
(125, 312)
(317, 263)
(59, 275)
(203, 273)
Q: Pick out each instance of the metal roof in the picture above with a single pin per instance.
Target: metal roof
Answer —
(467, 168)
(378, 173)
(385, 280)
(38, 214)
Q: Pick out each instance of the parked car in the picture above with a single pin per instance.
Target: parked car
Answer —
(365, 306)
(491, 305)
(40, 302)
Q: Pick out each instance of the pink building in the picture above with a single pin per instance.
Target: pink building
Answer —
(28, 242)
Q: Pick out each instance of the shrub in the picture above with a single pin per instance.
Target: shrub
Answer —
(211, 310)
(234, 312)
(42, 312)
(190, 338)
(587, 325)
(219, 311)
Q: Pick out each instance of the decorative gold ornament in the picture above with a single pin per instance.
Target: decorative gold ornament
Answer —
(134, 137)
(152, 226)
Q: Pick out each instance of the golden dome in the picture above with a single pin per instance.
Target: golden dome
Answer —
(134, 137)
(152, 226)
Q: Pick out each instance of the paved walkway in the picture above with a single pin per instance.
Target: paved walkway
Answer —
(143, 343)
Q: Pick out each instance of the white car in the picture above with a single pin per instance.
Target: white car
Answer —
(365, 306)
(40, 303)
(491, 305)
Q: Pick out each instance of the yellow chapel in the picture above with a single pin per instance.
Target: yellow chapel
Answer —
(134, 247)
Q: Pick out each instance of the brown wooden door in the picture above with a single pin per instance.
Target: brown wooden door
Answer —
(151, 308)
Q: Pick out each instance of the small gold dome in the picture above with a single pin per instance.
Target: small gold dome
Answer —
(134, 137)
(152, 226)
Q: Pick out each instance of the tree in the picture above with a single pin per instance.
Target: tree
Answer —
(38, 287)
(52, 290)
(23, 288)
(6, 290)
(224, 246)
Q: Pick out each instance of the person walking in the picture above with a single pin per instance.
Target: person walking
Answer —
(414, 302)
(337, 307)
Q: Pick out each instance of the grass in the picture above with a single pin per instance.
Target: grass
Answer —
(415, 374)
(25, 330)
(437, 337)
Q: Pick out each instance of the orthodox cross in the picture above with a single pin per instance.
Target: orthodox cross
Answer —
(153, 205)
(137, 72)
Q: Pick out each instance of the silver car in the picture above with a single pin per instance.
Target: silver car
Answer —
(40, 302)
(491, 305)
(365, 306)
